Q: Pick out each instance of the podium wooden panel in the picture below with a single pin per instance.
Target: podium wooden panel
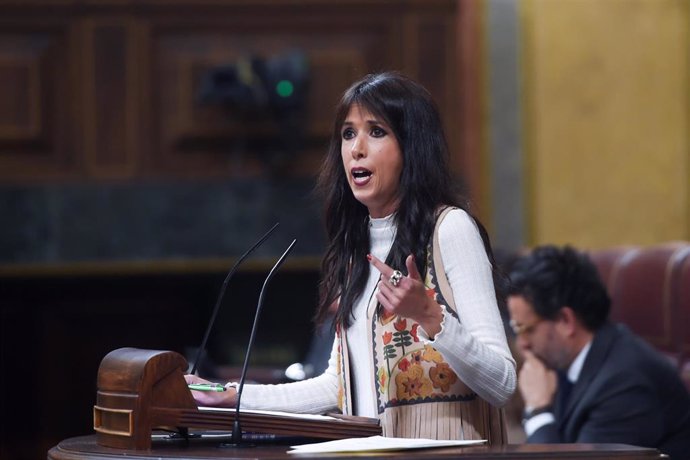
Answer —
(140, 391)
(86, 448)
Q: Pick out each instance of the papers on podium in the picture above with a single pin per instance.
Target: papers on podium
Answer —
(377, 444)
(333, 426)
(269, 413)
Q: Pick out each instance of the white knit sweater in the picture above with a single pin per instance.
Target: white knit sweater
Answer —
(475, 347)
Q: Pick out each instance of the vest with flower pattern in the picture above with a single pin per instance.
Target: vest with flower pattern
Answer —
(418, 394)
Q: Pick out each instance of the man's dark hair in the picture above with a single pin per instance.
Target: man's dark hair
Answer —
(550, 278)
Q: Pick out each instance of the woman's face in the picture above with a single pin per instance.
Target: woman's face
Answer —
(372, 160)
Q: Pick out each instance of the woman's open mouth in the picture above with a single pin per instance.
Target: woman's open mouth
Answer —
(360, 176)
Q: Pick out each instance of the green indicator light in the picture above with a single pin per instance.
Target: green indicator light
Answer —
(284, 88)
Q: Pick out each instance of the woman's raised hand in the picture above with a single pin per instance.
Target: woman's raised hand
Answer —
(407, 296)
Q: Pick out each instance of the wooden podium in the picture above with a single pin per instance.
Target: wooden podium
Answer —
(143, 390)
(86, 448)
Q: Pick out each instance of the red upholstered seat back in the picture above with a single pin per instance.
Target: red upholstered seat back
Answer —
(681, 307)
(641, 294)
(608, 260)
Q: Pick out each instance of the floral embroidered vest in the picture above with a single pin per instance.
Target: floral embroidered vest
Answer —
(418, 394)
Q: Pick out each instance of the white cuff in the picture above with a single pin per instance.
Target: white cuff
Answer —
(534, 423)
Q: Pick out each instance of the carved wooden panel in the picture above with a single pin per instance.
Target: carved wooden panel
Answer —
(19, 89)
(434, 68)
(36, 101)
(191, 136)
(111, 90)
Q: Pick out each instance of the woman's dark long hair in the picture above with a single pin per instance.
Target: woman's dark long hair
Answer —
(425, 185)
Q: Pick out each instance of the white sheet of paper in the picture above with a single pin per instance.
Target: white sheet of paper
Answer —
(269, 412)
(377, 443)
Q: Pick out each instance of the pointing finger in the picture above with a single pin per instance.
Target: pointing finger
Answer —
(384, 269)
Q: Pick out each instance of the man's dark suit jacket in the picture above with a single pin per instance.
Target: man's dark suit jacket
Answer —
(626, 393)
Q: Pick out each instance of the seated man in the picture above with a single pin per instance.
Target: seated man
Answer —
(585, 379)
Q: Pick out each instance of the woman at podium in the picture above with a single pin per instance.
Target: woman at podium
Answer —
(408, 272)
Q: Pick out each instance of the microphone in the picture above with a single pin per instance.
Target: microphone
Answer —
(202, 347)
(236, 427)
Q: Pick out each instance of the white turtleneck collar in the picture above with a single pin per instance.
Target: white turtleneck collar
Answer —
(382, 222)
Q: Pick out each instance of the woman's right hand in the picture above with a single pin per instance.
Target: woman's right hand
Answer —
(225, 398)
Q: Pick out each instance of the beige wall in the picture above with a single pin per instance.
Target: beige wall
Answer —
(606, 121)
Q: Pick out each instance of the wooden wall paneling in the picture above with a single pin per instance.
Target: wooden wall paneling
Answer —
(468, 162)
(212, 140)
(436, 68)
(96, 90)
(37, 121)
(119, 84)
(111, 55)
(20, 84)
(339, 68)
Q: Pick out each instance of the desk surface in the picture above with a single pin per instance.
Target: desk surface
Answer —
(85, 448)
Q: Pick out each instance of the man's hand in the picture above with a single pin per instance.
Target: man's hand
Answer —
(536, 382)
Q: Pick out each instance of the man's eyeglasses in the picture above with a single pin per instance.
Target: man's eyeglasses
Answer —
(519, 329)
